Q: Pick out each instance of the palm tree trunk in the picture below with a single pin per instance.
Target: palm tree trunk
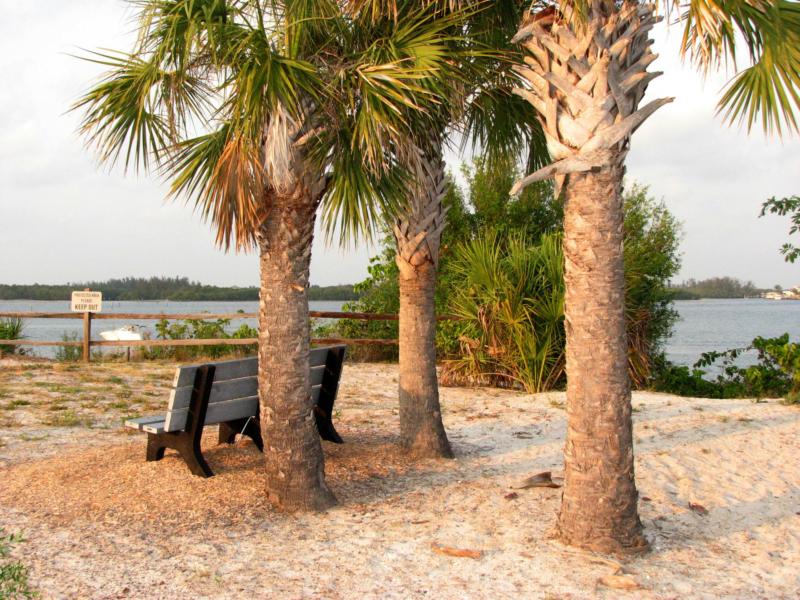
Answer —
(294, 461)
(599, 504)
(586, 76)
(418, 234)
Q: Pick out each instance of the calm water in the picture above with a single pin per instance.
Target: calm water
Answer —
(704, 324)
(722, 324)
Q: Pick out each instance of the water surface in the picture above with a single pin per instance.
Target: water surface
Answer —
(704, 325)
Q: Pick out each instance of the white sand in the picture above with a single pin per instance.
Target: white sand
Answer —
(85, 511)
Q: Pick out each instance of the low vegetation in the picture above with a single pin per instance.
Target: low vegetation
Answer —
(11, 329)
(199, 329)
(14, 575)
(501, 272)
(775, 374)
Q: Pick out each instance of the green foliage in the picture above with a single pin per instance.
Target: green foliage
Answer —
(487, 205)
(160, 288)
(197, 329)
(212, 92)
(714, 287)
(786, 206)
(69, 353)
(484, 225)
(378, 293)
(491, 205)
(651, 260)
(11, 329)
(14, 583)
(511, 296)
(775, 374)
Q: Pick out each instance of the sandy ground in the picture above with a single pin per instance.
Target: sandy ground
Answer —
(100, 522)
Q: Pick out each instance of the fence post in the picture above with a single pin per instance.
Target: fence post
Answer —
(87, 336)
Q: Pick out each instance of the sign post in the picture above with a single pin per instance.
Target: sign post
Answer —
(87, 302)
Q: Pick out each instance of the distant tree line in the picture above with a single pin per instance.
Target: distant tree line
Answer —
(160, 288)
(714, 287)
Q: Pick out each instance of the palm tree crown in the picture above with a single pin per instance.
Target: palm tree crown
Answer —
(215, 94)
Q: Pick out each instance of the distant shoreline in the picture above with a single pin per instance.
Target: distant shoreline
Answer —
(162, 289)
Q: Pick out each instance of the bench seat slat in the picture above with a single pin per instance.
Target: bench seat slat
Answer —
(140, 422)
(157, 427)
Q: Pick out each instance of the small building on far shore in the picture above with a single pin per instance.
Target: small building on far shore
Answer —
(790, 294)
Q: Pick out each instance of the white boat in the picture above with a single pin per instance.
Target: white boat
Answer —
(126, 333)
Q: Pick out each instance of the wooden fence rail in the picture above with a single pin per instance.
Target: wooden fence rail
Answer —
(87, 343)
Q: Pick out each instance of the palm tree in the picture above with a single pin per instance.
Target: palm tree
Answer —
(298, 106)
(478, 105)
(586, 72)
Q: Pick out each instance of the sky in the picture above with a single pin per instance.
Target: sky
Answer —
(64, 218)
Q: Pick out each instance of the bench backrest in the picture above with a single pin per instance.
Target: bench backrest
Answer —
(234, 393)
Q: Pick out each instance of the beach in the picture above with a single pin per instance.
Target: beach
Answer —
(719, 485)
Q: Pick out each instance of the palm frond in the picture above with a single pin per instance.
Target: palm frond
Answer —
(769, 89)
(223, 172)
(122, 112)
(357, 198)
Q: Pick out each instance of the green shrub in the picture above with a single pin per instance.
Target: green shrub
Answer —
(486, 214)
(776, 373)
(510, 292)
(511, 297)
(199, 329)
(11, 329)
(69, 353)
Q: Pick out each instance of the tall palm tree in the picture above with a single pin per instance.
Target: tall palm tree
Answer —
(479, 106)
(586, 73)
(298, 106)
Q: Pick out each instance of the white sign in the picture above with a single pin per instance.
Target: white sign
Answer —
(87, 301)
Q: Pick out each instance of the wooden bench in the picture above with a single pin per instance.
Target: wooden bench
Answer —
(226, 393)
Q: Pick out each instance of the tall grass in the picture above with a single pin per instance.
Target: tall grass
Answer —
(69, 353)
(11, 329)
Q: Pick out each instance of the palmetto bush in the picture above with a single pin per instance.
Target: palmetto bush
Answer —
(510, 292)
(11, 329)
(511, 296)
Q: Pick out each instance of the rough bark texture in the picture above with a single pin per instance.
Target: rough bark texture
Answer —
(586, 79)
(599, 504)
(418, 234)
(293, 456)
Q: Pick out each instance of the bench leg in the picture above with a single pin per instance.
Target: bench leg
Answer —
(155, 449)
(325, 426)
(227, 432)
(190, 452)
(249, 427)
(188, 449)
(253, 431)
